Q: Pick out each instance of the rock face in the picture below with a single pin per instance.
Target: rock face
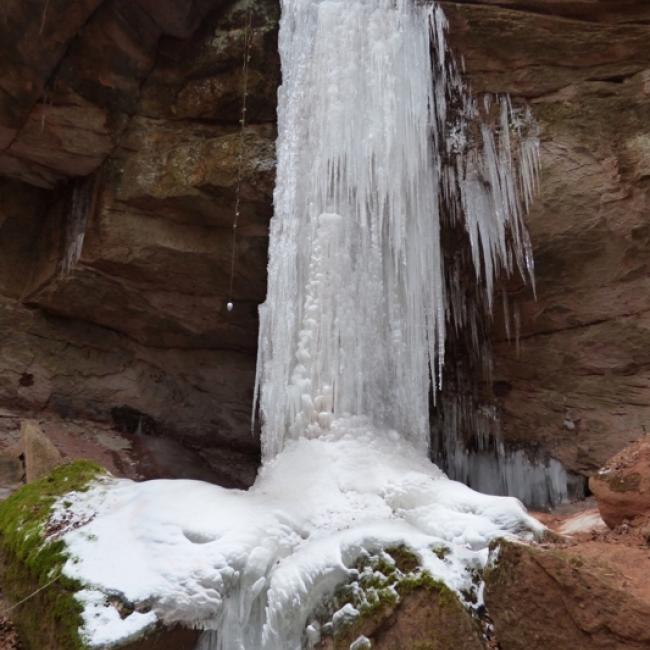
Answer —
(119, 167)
(425, 619)
(578, 383)
(595, 596)
(622, 487)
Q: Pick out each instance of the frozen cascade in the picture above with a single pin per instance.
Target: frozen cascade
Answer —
(379, 144)
(379, 141)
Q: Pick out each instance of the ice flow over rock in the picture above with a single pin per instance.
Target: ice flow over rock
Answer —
(377, 138)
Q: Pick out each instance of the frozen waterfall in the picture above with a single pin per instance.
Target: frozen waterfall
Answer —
(380, 145)
(379, 141)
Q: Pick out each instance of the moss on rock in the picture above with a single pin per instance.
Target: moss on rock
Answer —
(32, 560)
(399, 605)
(629, 483)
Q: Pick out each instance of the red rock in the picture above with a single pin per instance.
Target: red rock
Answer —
(622, 486)
(578, 598)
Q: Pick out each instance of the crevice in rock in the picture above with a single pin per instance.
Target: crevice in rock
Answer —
(562, 11)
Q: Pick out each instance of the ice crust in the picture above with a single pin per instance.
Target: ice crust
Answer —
(254, 565)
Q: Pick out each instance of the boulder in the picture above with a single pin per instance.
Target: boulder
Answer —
(622, 486)
(594, 596)
(577, 383)
(427, 619)
(31, 559)
(395, 606)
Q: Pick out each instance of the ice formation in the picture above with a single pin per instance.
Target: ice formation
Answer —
(468, 446)
(79, 209)
(379, 144)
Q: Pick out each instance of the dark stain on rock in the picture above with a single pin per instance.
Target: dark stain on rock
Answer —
(129, 420)
(630, 483)
(501, 388)
(26, 379)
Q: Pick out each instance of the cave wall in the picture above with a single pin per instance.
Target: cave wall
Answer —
(118, 165)
(119, 145)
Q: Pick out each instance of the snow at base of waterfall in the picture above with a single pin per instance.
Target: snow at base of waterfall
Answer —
(255, 564)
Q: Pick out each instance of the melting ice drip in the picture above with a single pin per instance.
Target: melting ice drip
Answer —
(379, 142)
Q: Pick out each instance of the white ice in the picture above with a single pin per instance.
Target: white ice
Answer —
(583, 522)
(103, 624)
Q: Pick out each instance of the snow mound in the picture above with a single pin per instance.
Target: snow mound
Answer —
(254, 565)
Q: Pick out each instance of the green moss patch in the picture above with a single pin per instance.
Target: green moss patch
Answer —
(32, 559)
(384, 582)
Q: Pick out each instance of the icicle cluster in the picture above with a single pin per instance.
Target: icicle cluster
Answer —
(470, 450)
(79, 209)
(379, 141)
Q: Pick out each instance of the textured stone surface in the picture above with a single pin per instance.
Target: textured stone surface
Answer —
(592, 596)
(425, 619)
(622, 487)
(118, 177)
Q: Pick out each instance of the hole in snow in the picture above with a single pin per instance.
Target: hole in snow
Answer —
(198, 537)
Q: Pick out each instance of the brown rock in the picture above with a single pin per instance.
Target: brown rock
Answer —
(532, 54)
(203, 81)
(71, 137)
(41, 456)
(570, 600)
(425, 619)
(622, 487)
(166, 639)
(12, 470)
(34, 37)
(609, 11)
(126, 272)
